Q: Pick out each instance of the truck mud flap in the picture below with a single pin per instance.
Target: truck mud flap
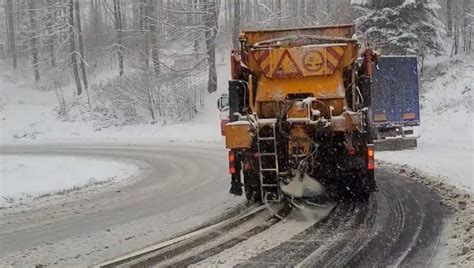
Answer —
(395, 144)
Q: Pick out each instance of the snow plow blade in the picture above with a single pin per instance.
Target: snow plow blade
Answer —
(395, 144)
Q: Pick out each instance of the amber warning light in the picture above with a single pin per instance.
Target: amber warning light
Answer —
(370, 157)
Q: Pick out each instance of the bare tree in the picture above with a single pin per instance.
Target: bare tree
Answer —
(153, 37)
(197, 20)
(51, 34)
(449, 17)
(118, 22)
(227, 13)
(34, 38)
(81, 45)
(72, 44)
(11, 30)
(462, 26)
(143, 10)
(211, 32)
(467, 25)
(236, 28)
(96, 24)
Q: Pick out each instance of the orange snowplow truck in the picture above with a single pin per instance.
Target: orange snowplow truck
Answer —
(298, 110)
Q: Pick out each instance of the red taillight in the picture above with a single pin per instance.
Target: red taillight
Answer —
(370, 157)
(231, 162)
(371, 165)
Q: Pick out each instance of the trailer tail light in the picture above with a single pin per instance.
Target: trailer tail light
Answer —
(370, 157)
(380, 117)
(409, 116)
(231, 162)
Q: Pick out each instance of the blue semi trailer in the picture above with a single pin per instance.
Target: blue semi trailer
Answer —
(395, 102)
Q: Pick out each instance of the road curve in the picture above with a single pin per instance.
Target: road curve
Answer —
(399, 226)
(181, 186)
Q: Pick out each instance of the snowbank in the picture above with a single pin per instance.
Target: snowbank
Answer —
(29, 176)
(445, 147)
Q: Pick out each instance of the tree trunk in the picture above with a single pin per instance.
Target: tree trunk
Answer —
(236, 28)
(449, 17)
(211, 31)
(81, 45)
(457, 21)
(144, 32)
(96, 25)
(197, 20)
(51, 34)
(227, 14)
(154, 40)
(72, 44)
(11, 30)
(34, 38)
(466, 26)
(118, 20)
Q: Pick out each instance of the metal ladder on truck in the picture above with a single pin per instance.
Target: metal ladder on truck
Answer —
(268, 162)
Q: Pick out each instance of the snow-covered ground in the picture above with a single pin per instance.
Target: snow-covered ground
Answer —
(28, 115)
(25, 177)
(445, 147)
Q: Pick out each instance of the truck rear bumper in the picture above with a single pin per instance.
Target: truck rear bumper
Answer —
(395, 144)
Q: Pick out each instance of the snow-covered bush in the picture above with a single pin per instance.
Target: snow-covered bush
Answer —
(139, 98)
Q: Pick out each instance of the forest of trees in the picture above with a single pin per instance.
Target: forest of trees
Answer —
(164, 47)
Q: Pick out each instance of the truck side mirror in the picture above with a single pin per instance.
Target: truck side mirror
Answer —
(223, 102)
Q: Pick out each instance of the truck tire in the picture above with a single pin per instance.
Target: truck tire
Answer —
(353, 180)
(252, 187)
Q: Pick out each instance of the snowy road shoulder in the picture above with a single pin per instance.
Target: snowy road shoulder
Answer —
(25, 177)
(456, 247)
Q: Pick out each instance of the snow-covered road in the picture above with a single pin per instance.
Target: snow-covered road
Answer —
(178, 187)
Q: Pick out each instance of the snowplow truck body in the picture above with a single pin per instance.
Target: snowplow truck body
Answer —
(298, 111)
